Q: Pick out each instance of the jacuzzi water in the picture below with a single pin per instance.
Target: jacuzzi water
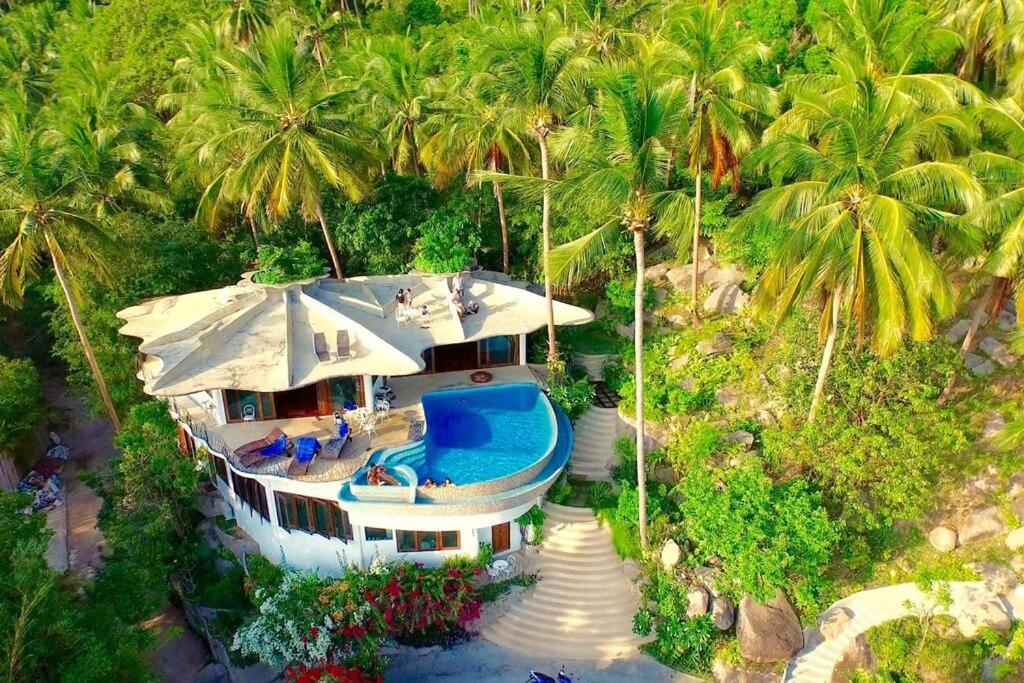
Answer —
(485, 433)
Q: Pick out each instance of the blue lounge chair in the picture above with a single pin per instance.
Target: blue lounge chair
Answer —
(306, 449)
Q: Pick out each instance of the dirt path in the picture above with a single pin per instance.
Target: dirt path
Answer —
(91, 442)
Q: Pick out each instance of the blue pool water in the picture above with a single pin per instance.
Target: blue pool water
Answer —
(485, 433)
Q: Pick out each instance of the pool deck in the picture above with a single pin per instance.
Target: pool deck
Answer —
(406, 411)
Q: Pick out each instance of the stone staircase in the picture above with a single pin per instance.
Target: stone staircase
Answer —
(819, 657)
(582, 606)
(592, 450)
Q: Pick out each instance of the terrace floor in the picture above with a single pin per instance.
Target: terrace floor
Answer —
(406, 411)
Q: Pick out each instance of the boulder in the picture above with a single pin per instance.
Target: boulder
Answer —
(857, 656)
(625, 331)
(999, 579)
(698, 601)
(995, 423)
(670, 554)
(727, 396)
(996, 350)
(767, 417)
(1015, 539)
(723, 614)
(601, 310)
(834, 622)
(726, 300)
(742, 437)
(657, 273)
(707, 577)
(980, 524)
(722, 276)
(679, 362)
(1017, 563)
(681, 279)
(1018, 508)
(958, 331)
(768, 633)
(942, 539)
(981, 613)
(1016, 485)
(660, 294)
(716, 346)
(978, 366)
(1006, 321)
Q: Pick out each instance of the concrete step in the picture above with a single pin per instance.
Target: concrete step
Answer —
(567, 512)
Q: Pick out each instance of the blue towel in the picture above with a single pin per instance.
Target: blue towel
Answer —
(276, 448)
(305, 448)
(343, 430)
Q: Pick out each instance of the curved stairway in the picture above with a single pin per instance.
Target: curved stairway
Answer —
(582, 606)
(593, 449)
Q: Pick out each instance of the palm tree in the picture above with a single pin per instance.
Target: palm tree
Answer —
(401, 95)
(44, 214)
(894, 35)
(241, 20)
(1002, 216)
(473, 133)
(723, 102)
(862, 208)
(537, 65)
(991, 33)
(280, 134)
(617, 168)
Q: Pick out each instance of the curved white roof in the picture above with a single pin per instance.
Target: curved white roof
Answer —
(260, 337)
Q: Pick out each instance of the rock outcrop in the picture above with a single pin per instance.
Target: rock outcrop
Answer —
(768, 633)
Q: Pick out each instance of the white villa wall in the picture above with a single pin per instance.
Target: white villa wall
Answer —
(302, 550)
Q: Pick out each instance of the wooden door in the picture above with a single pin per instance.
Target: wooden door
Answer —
(500, 538)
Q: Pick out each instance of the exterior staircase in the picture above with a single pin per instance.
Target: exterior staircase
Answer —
(582, 606)
(592, 451)
(821, 657)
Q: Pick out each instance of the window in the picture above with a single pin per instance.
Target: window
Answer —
(377, 534)
(312, 515)
(346, 390)
(252, 494)
(185, 442)
(237, 401)
(502, 350)
(416, 541)
(220, 466)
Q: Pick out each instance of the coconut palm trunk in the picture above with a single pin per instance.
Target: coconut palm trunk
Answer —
(638, 360)
(826, 356)
(499, 195)
(76, 319)
(542, 130)
(695, 277)
(330, 242)
(255, 234)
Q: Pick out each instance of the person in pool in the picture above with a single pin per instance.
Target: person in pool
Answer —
(448, 482)
(429, 483)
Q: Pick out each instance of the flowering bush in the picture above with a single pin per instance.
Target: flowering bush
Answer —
(328, 673)
(308, 621)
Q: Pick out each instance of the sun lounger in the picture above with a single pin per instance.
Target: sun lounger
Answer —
(343, 345)
(259, 444)
(320, 347)
(306, 449)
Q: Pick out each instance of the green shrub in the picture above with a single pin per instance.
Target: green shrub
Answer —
(21, 400)
(574, 396)
(681, 642)
(599, 495)
(281, 265)
(534, 518)
(767, 536)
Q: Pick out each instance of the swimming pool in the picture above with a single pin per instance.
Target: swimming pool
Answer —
(480, 434)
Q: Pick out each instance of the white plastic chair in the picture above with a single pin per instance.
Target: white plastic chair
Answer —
(402, 315)
(369, 424)
(383, 410)
(249, 413)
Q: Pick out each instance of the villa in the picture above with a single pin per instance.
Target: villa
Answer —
(334, 412)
